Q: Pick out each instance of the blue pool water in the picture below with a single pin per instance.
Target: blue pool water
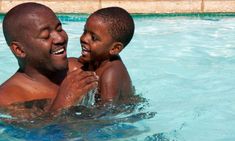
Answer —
(184, 65)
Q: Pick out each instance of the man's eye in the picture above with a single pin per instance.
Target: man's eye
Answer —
(44, 34)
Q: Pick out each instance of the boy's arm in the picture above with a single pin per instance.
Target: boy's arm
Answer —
(110, 85)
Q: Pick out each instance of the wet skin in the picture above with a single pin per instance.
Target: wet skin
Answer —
(44, 72)
(100, 54)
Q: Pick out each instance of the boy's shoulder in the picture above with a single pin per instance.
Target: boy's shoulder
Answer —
(112, 68)
(115, 63)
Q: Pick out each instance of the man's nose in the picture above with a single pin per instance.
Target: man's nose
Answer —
(58, 37)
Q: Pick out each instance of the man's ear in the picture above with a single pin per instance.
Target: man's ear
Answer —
(18, 49)
(116, 48)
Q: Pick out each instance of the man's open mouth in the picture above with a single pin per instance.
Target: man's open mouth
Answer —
(58, 51)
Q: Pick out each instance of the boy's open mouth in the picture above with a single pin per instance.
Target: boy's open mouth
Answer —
(85, 50)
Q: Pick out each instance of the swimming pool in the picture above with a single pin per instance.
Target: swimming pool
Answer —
(183, 64)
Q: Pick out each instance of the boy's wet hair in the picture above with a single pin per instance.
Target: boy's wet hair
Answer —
(120, 23)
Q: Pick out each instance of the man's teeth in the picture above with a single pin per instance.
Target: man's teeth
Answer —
(59, 51)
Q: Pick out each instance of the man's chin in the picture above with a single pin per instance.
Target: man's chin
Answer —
(62, 66)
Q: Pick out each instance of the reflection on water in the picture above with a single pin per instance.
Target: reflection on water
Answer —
(107, 122)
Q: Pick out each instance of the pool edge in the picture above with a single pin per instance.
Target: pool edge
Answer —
(133, 6)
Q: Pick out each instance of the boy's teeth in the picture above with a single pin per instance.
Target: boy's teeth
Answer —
(83, 48)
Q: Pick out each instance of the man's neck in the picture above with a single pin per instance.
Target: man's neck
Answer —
(53, 77)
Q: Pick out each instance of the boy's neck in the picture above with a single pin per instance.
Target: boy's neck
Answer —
(93, 66)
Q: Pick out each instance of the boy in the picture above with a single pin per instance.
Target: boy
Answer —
(106, 32)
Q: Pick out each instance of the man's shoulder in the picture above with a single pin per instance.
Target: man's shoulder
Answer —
(13, 90)
(9, 91)
(11, 82)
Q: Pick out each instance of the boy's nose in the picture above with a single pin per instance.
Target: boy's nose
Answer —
(84, 38)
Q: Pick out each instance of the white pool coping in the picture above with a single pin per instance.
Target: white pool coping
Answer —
(133, 6)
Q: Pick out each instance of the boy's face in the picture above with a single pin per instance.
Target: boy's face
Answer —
(96, 41)
(45, 41)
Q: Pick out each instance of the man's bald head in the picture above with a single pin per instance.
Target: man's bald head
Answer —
(14, 23)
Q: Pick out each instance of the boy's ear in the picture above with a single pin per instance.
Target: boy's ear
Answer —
(17, 49)
(116, 48)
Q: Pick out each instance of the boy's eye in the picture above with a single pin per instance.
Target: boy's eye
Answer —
(94, 37)
(44, 34)
(84, 31)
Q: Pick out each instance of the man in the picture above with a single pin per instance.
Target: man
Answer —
(44, 81)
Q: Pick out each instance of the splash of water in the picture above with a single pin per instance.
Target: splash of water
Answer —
(89, 99)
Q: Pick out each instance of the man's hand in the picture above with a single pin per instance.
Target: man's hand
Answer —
(73, 88)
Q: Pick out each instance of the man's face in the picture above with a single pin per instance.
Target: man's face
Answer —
(44, 41)
(96, 41)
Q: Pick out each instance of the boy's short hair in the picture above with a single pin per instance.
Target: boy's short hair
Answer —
(120, 23)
